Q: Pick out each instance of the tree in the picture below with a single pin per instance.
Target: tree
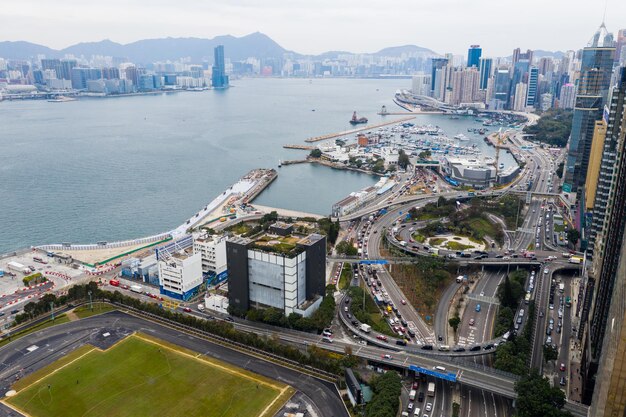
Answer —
(403, 159)
(550, 353)
(454, 322)
(345, 248)
(424, 155)
(573, 235)
(535, 397)
(315, 153)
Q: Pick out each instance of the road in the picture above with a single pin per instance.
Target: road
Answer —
(57, 341)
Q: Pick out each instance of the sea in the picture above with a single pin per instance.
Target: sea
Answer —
(106, 169)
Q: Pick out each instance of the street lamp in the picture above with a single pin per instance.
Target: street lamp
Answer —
(90, 302)
(52, 310)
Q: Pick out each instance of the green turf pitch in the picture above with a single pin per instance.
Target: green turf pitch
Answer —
(140, 378)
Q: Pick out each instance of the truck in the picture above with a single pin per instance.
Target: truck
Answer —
(575, 260)
(365, 328)
(434, 251)
(403, 243)
(412, 395)
(136, 288)
(562, 287)
(18, 267)
(201, 307)
(431, 389)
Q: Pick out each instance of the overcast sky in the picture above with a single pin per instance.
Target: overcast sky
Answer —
(314, 26)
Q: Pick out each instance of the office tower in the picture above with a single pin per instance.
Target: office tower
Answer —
(80, 76)
(110, 73)
(531, 92)
(567, 96)
(435, 77)
(473, 56)
(132, 74)
(502, 82)
(264, 273)
(595, 77)
(219, 79)
(485, 72)
(608, 328)
(546, 65)
(620, 51)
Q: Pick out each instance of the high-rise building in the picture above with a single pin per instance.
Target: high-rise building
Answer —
(436, 76)
(595, 77)
(610, 125)
(567, 96)
(531, 91)
(502, 87)
(276, 271)
(485, 72)
(473, 56)
(66, 68)
(620, 47)
(519, 104)
(518, 54)
(608, 328)
(80, 76)
(219, 79)
(421, 84)
(53, 65)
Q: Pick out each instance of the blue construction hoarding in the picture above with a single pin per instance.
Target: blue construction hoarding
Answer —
(448, 376)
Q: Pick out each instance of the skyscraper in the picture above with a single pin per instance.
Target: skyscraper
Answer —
(567, 96)
(219, 79)
(531, 92)
(502, 82)
(485, 72)
(435, 77)
(608, 329)
(473, 56)
(595, 77)
(620, 48)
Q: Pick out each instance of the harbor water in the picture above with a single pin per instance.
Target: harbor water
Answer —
(119, 168)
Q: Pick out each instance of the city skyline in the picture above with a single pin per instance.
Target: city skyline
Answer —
(298, 26)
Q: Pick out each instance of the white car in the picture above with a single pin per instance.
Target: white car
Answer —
(429, 407)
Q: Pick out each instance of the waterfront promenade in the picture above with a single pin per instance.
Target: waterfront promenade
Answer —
(360, 129)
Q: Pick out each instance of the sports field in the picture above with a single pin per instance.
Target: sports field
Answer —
(142, 376)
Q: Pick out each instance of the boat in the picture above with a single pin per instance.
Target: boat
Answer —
(501, 166)
(61, 99)
(357, 120)
(280, 163)
(461, 137)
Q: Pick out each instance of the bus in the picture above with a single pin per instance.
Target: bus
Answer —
(568, 301)
(39, 259)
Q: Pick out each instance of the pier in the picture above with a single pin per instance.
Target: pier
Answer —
(295, 161)
(360, 129)
(303, 147)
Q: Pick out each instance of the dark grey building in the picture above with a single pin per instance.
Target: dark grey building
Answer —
(282, 272)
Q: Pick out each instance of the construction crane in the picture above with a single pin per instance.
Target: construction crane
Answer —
(499, 142)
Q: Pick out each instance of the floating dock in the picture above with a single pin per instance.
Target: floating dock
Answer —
(303, 147)
(360, 129)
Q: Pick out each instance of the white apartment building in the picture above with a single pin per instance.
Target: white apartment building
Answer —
(212, 250)
(180, 274)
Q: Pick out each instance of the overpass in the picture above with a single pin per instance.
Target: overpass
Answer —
(416, 259)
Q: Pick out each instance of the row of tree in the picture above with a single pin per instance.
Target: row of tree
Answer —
(315, 357)
(319, 320)
(553, 128)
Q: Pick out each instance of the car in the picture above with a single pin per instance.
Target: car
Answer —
(472, 322)
(427, 347)
(475, 348)
(429, 407)
(562, 367)
(551, 306)
(355, 322)
(349, 316)
(187, 310)
(477, 308)
(420, 397)
(459, 349)
(381, 337)
(546, 271)
(549, 340)
(482, 293)
(403, 302)
(562, 381)
(229, 318)
(386, 356)
(489, 346)
(415, 385)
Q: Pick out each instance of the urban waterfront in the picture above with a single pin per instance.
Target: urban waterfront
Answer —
(119, 168)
